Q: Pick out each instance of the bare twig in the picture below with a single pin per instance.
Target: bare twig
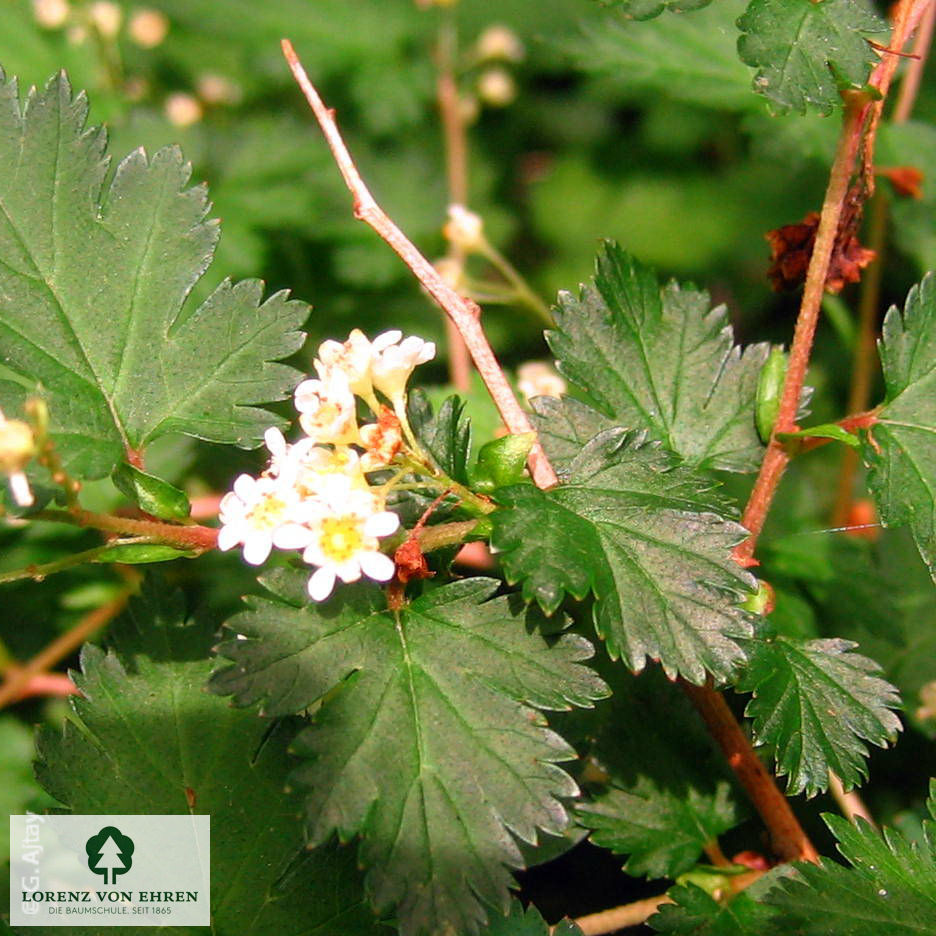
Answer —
(456, 172)
(851, 804)
(864, 357)
(463, 312)
(19, 678)
(632, 914)
(862, 114)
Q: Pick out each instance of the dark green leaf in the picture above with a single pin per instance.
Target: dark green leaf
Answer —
(696, 913)
(901, 447)
(446, 435)
(642, 535)
(659, 360)
(815, 704)
(529, 922)
(115, 755)
(667, 791)
(152, 494)
(805, 51)
(94, 279)
(889, 888)
(427, 743)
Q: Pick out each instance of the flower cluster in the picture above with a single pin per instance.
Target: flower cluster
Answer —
(315, 495)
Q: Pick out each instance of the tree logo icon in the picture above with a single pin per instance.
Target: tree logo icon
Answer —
(110, 850)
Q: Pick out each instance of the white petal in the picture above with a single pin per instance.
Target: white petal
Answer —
(228, 537)
(382, 524)
(19, 488)
(321, 584)
(377, 566)
(385, 340)
(349, 571)
(427, 354)
(244, 487)
(292, 536)
(257, 548)
(275, 441)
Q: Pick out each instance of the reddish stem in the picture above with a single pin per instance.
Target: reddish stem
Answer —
(788, 839)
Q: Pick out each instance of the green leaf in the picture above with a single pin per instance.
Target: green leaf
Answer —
(428, 743)
(667, 791)
(825, 431)
(769, 391)
(660, 360)
(152, 494)
(641, 534)
(94, 277)
(138, 553)
(815, 703)
(901, 448)
(647, 9)
(695, 913)
(446, 435)
(684, 58)
(889, 888)
(115, 755)
(529, 922)
(806, 51)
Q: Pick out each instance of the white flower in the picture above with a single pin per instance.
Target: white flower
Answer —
(345, 541)
(17, 447)
(352, 357)
(537, 378)
(464, 229)
(148, 28)
(393, 365)
(381, 440)
(496, 87)
(326, 409)
(261, 513)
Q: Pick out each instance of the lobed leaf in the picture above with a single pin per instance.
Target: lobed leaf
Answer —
(805, 52)
(647, 9)
(900, 450)
(529, 922)
(665, 791)
(889, 888)
(642, 534)
(94, 276)
(659, 360)
(814, 703)
(115, 755)
(696, 913)
(427, 741)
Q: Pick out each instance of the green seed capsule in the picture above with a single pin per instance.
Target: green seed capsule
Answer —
(769, 391)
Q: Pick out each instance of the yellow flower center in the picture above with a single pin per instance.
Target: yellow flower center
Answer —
(341, 537)
(266, 513)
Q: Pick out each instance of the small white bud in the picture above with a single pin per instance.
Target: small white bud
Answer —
(183, 110)
(107, 18)
(51, 14)
(499, 42)
(148, 28)
(496, 87)
(464, 229)
(216, 89)
(538, 378)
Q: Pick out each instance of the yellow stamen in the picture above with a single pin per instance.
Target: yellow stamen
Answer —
(341, 537)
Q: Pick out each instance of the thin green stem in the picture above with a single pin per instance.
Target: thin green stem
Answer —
(524, 293)
(40, 571)
(438, 479)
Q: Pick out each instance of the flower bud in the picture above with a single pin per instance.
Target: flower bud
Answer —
(464, 229)
(148, 28)
(51, 14)
(107, 17)
(499, 42)
(183, 110)
(496, 87)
